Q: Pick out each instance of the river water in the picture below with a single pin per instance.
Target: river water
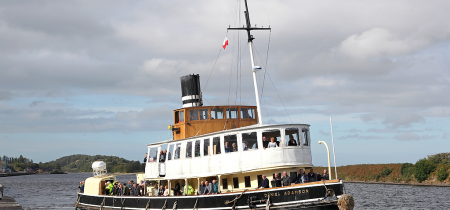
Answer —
(58, 191)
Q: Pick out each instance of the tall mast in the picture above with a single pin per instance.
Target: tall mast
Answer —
(250, 45)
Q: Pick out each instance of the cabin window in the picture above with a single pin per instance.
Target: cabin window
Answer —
(293, 176)
(306, 137)
(177, 151)
(179, 116)
(244, 113)
(224, 184)
(232, 113)
(204, 114)
(259, 177)
(235, 182)
(248, 183)
(251, 113)
(291, 136)
(153, 155)
(170, 152)
(216, 145)
(217, 113)
(249, 141)
(193, 114)
(189, 149)
(197, 148)
(206, 147)
(267, 135)
(231, 143)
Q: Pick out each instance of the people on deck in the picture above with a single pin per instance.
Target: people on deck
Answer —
(208, 188)
(245, 146)
(234, 148)
(301, 177)
(145, 159)
(265, 142)
(176, 190)
(135, 190)
(272, 143)
(227, 147)
(286, 179)
(215, 186)
(125, 189)
(292, 141)
(312, 177)
(161, 191)
(166, 191)
(277, 142)
(162, 158)
(81, 187)
(202, 188)
(264, 183)
(325, 175)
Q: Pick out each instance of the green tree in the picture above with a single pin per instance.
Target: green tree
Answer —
(423, 168)
(442, 172)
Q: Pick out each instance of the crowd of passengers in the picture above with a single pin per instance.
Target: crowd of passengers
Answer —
(206, 188)
(302, 177)
(118, 189)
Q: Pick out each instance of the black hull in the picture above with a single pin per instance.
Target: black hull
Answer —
(309, 196)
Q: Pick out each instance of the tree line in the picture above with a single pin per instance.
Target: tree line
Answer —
(77, 163)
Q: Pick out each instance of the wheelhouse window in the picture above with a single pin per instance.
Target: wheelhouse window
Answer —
(177, 151)
(231, 144)
(197, 148)
(193, 114)
(179, 116)
(232, 113)
(206, 147)
(204, 114)
(306, 137)
(251, 113)
(189, 149)
(170, 152)
(244, 113)
(217, 113)
(216, 145)
(163, 153)
(267, 138)
(292, 137)
(249, 141)
(153, 155)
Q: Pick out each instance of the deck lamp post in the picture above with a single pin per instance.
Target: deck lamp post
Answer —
(328, 152)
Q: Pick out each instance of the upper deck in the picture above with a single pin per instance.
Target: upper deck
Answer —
(195, 121)
(212, 154)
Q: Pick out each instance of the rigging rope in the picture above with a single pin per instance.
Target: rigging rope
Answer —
(121, 207)
(204, 87)
(78, 201)
(235, 200)
(148, 204)
(164, 207)
(174, 205)
(279, 97)
(195, 205)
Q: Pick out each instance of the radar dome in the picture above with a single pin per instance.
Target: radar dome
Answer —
(99, 165)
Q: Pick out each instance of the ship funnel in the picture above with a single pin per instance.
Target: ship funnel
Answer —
(190, 91)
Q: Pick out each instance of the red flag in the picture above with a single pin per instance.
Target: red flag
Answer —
(225, 43)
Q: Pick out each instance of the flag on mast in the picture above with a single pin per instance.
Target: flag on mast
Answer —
(225, 43)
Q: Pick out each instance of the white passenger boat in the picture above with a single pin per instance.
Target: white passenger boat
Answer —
(224, 143)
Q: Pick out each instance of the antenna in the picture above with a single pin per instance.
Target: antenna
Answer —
(334, 154)
(250, 45)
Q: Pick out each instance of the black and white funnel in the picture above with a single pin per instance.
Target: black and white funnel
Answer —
(190, 91)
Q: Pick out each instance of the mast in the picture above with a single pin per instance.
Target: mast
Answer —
(250, 45)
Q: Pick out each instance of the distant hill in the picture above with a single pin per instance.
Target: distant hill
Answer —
(431, 170)
(83, 163)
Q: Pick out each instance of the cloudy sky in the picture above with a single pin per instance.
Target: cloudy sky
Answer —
(102, 77)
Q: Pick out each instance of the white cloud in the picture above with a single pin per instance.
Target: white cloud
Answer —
(379, 42)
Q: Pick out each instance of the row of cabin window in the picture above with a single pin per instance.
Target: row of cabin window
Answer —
(249, 143)
(217, 113)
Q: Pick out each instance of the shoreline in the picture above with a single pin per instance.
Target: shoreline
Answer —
(394, 183)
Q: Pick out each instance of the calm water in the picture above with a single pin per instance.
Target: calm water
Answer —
(59, 192)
